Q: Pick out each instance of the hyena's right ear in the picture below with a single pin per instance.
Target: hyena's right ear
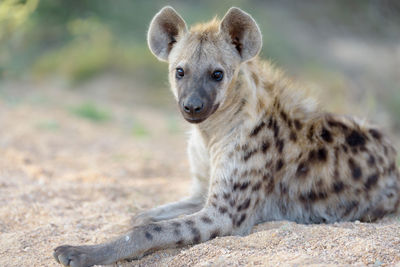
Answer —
(164, 30)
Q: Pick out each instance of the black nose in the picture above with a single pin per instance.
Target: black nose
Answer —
(193, 106)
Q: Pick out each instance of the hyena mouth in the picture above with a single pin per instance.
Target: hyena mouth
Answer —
(203, 117)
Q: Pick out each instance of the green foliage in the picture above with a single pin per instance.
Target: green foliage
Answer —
(394, 105)
(91, 112)
(139, 130)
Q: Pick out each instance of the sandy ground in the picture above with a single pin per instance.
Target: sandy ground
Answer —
(67, 180)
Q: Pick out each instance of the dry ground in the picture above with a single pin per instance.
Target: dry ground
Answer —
(66, 179)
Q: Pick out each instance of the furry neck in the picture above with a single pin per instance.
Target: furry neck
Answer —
(256, 90)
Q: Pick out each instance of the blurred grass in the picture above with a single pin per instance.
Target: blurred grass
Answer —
(139, 130)
(48, 125)
(92, 112)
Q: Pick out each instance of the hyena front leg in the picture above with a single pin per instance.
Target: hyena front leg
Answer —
(168, 211)
(227, 211)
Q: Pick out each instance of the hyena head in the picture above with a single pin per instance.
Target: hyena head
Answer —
(204, 60)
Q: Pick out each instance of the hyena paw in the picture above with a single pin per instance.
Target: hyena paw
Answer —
(71, 256)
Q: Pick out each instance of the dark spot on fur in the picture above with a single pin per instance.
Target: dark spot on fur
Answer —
(279, 145)
(157, 228)
(298, 124)
(179, 242)
(326, 135)
(207, 220)
(312, 156)
(270, 122)
(264, 147)
(196, 239)
(349, 207)
(310, 133)
(214, 234)
(194, 231)
(302, 170)
(226, 196)
(245, 205)
(378, 213)
(279, 165)
(333, 123)
(283, 188)
(355, 169)
(222, 210)
(293, 136)
(189, 222)
(392, 167)
(232, 203)
(176, 224)
(322, 195)
(241, 220)
(322, 154)
(276, 129)
(375, 134)
(289, 122)
(249, 154)
(236, 186)
(338, 187)
(257, 129)
(244, 186)
(269, 187)
(312, 196)
(345, 149)
(355, 139)
(256, 187)
(148, 236)
(371, 160)
(371, 180)
(283, 115)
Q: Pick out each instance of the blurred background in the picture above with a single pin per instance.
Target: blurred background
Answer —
(95, 52)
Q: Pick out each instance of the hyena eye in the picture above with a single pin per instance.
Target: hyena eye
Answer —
(217, 75)
(179, 73)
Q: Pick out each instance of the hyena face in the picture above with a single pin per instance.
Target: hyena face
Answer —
(203, 61)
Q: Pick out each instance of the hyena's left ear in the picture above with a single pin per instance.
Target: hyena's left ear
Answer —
(164, 30)
(242, 31)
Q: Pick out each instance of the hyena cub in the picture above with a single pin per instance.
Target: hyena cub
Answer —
(259, 150)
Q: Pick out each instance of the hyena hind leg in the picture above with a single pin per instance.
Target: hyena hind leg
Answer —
(168, 211)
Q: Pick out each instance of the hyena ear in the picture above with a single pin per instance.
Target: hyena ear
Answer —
(242, 31)
(164, 30)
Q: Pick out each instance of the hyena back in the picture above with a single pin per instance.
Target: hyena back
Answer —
(260, 149)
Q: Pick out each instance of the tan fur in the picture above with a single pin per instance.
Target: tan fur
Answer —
(262, 149)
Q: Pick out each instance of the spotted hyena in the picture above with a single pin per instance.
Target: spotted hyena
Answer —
(260, 150)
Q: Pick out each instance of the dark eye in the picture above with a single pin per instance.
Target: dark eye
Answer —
(179, 73)
(217, 75)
